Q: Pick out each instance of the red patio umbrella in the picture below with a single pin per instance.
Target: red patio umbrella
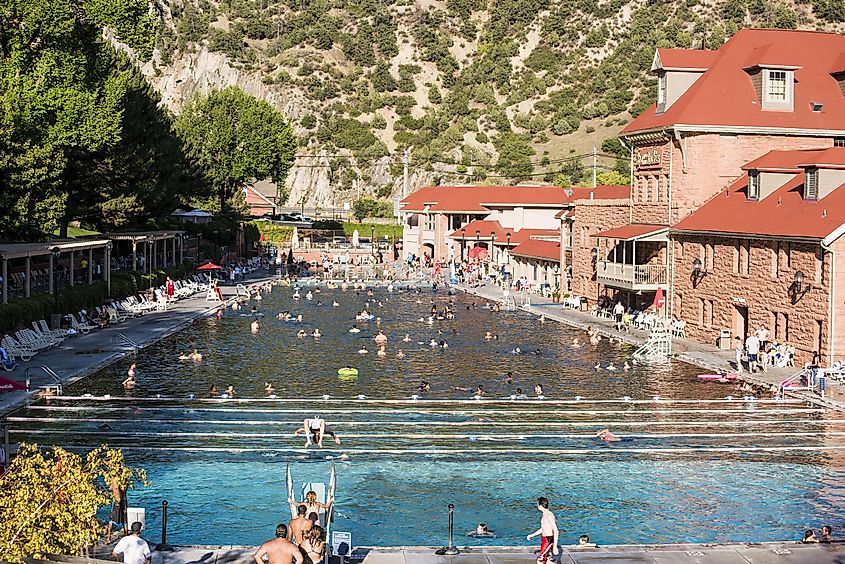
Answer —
(659, 300)
(479, 253)
(210, 266)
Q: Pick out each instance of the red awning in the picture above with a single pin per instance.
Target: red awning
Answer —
(633, 232)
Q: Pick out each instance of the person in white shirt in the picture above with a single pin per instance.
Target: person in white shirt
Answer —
(752, 348)
(618, 312)
(134, 549)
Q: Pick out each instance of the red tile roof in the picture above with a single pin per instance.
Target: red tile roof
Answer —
(523, 235)
(484, 198)
(565, 213)
(832, 157)
(474, 198)
(780, 161)
(485, 228)
(783, 213)
(631, 231)
(537, 248)
(724, 96)
(685, 59)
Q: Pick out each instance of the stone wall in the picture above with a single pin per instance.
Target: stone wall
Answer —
(713, 160)
(757, 275)
(591, 217)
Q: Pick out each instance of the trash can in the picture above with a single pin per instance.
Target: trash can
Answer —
(724, 339)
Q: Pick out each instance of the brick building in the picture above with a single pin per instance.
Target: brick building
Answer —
(768, 251)
(445, 221)
(716, 111)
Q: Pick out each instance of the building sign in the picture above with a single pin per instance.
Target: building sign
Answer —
(648, 158)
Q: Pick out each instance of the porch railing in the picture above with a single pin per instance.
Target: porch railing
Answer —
(633, 274)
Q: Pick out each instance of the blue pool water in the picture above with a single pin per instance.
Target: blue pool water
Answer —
(694, 466)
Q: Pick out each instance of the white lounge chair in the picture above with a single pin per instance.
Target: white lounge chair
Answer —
(16, 349)
(83, 328)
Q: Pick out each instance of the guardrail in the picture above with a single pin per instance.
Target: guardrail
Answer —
(632, 274)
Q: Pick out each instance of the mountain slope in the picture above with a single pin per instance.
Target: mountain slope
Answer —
(494, 90)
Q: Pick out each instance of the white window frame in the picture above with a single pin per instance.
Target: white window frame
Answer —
(811, 178)
(770, 82)
(753, 185)
(661, 88)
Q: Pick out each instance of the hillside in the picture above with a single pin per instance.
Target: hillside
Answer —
(483, 90)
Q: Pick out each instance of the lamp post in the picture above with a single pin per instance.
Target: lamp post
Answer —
(107, 267)
(797, 288)
(492, 247)
(697, 273)
(508, 237)
(56, 252)
(463, 242)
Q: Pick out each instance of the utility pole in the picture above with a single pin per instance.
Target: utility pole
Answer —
(595, 164)
(406, 159)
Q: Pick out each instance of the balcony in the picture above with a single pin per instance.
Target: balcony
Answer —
(631, 276)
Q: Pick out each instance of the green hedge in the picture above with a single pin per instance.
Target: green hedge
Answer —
(21, 312)
(381, 229)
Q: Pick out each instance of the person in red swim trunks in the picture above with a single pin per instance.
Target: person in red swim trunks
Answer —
(548, 530)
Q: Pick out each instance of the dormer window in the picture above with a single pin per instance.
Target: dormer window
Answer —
(776, 86)
(753, 185)
(661, 89)
(811, 184)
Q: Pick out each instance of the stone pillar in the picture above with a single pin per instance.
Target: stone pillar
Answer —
(181, 249)
(134, 255)
(107, 271)
(27, 289)
(153, 247)
(90, 266)
(72, 254)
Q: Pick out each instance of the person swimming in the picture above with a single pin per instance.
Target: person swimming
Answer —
(335, 303)
(519, 394)
(255, 326)
(516, 351)
(509, 377)
(380, 338)
(538, 391)
(196, 356)
(381, 351)
(363, 350)
(315, 429)
(576, 344)
(354, 329)
(212, 391)
(268, 388)
(230, 391)
(424, 386)
(316, 333)
(300, 333)
(400, 354)
(130, 382)
(406, 338)
(607, 436)
(432, 342)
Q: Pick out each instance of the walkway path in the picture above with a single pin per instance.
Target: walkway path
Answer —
(80, 355)
(693, 352)
(765, 553)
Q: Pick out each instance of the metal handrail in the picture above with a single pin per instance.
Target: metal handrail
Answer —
(782, 387)
(49, 372)
(126, 342)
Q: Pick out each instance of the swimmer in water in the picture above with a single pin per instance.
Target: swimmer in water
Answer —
(230, 391)
(516, 350)
(212, 391)
(363, 350)
(432, 342)
(538, 391)
(519, 394)
(300, 333)
(576, 344)
(406, 338)
(626, 366)
(335, 303)
(315, 429)
(196, 356)
(129, 382)
(381, 351)
(607, 436)
(611, 367)
(354, 329)
(488, 336)
(255, 326)
(509, 377)
(316, 334)
(424, 386)
(400, 354)
(299, 318)
(268, 388)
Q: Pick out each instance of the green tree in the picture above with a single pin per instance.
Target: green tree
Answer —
(60, 101)
(235, 138)
(49, 499)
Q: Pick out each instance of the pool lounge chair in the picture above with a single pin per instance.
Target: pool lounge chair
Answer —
(46, 335)
(57, 332)
(17, 349)
(28, 337)
(7, 361)
(83, 328)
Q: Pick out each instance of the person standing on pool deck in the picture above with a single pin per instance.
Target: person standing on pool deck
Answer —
(298, 525)
(279, 550)
(134, 549)
(548, 530)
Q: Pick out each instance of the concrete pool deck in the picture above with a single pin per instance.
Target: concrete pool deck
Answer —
(751, 553)
(692, 352)
(81, 355)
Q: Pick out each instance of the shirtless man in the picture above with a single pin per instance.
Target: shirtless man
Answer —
(298, 525)
(548, 530)
(279, 550)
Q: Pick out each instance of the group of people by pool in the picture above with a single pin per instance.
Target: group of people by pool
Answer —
(303, 539)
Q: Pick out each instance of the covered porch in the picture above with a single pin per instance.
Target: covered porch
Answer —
(632, 257)
(146, 251)
(28, 268)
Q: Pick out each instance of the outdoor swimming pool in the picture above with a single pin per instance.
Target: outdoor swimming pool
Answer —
(694, 467)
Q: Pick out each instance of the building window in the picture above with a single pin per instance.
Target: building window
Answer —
(679, 305)
(429, 222)
(656, 189)
(753, 185)
(776, 86)
(775, 248)
(839, 141)
(811, 184)
(701, 312)
(708, 255)
(661, 89)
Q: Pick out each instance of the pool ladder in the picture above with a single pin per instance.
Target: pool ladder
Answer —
(55, 387)
(124, 342)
